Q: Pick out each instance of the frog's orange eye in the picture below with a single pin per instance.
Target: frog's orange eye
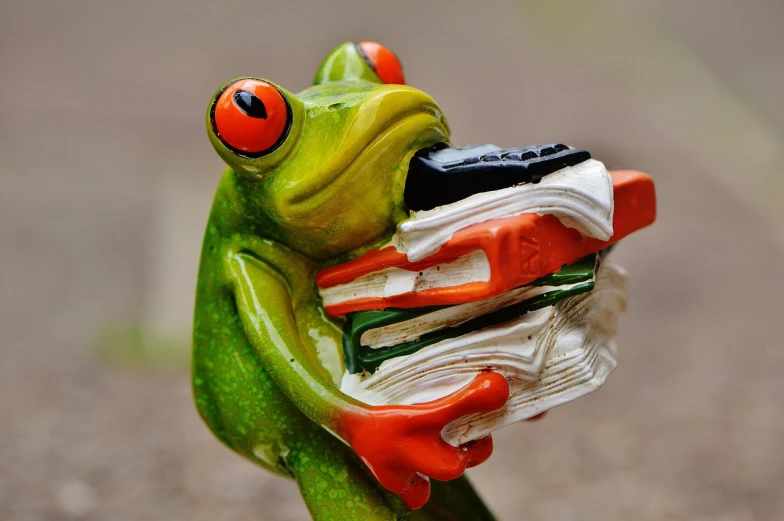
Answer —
(384, 62)
(251, 117)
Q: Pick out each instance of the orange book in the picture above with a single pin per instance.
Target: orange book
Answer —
(484, 259)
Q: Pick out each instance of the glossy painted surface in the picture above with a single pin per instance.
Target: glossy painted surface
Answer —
(316, 179)
(405, 443)
(267, 359)
(383, 61)
(251, 117)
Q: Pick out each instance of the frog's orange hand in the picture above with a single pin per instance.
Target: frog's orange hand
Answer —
(402, 443)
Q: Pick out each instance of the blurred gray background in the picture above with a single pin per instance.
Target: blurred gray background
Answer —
(106, 178)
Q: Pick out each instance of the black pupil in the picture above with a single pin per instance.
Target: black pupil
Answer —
(250, 104)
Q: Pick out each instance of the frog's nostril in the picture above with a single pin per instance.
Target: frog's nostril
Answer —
(335, 106)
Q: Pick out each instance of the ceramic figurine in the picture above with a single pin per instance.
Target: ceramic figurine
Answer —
(373, 302)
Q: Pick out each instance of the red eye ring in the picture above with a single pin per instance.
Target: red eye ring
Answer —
(383, 61)
(251, 117)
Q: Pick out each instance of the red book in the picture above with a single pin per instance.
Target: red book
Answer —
(497, 255)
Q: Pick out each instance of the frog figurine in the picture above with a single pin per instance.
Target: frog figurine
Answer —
(315, 181)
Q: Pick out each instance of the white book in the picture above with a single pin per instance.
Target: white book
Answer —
(549, 357)
(580, 196)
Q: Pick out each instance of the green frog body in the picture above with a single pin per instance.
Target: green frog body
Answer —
(313, 179)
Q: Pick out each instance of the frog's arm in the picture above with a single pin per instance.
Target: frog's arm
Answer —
(399, 443)
(266, 277)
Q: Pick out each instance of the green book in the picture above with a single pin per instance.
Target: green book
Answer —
(370, 337)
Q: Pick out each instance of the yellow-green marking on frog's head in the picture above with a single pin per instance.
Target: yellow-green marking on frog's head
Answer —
(323, 171)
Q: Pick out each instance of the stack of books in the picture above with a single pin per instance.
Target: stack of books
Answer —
(514, 280)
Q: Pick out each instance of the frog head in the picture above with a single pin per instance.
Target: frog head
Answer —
(323, 171)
